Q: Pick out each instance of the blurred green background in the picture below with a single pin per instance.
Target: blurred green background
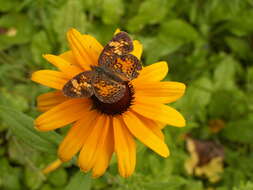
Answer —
(208, 45)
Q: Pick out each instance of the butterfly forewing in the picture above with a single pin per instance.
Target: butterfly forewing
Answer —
(115, 57)
(119, 45)
(106, 89)
(79, 86)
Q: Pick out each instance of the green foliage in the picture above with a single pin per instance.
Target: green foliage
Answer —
(242, 127)
(22, 127)
(8, 5)
(19, 30)
(10, 176)
(208, 46)
(58, 178)
(150, 12)
(247, 186)
(110, 14)
(68, 15)
(39, 45)
(79, 181)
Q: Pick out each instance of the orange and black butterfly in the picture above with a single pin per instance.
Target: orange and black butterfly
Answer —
(116, 66)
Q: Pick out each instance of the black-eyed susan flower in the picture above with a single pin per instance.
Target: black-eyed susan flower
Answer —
(99, 129)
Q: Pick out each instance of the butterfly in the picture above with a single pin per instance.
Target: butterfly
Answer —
(107, 81)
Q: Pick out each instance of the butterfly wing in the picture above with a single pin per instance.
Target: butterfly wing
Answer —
(119, 45)
(115, 58)
(126, 67)
(79, 86)
(106, 89)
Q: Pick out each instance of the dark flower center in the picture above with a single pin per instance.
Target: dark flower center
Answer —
(118, 107)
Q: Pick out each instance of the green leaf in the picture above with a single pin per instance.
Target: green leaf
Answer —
(47, 187)
(240, 131)
(22, 127)
(178, 29)
(93, 7)
(150, 12)
(16, 151)
(9, 176)
(19, 30)
(39, 46)
(239, 28)
(70, 15)
(79, 181)
(112, 10)
(224, 74)
(240, 47)
(175, 182)
(2, 150)
(159, 47)
(58, 177)
(246, 186)
(218, 11)
(171, 37)
(228, 104)
(196, 99)
(8, 5)
(13, 100)
(249, 78)
(33, 179)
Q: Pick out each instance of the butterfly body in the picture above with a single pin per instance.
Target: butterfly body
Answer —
(104, 71)
(107, 80)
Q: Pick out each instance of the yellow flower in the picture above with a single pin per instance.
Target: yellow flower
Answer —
(100, 129)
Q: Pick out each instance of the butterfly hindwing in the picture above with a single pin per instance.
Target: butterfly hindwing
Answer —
(126, 67)
(79, 86)
(106, 89)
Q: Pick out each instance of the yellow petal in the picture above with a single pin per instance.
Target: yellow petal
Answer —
(51, 167)
(86, 49)
(137, 49)
(92, 46)
(152, 125)
(152, 73)
(144, 134)
(76, 136)
(53, 79)
(159, 112)
(104, 154)
(63, 114)
(49, 100)
(94, 143)
(117, 31)
(161, 125)
(160, 92)
(125, 147)
(78, 51)
(96, 46)
(66, 67)
(69, 57)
